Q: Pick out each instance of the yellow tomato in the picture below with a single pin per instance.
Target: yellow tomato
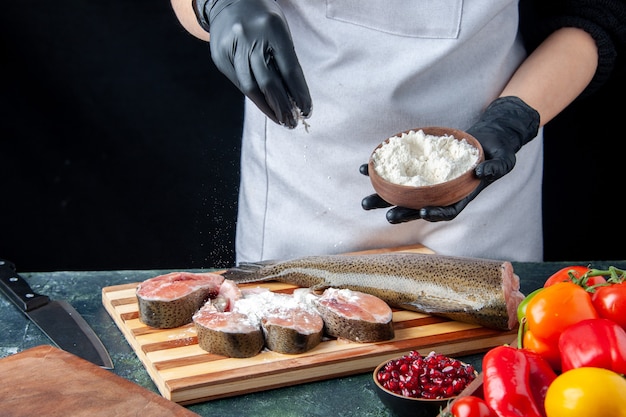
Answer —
(587, 392)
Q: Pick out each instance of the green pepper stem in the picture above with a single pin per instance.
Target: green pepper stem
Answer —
(520, 332)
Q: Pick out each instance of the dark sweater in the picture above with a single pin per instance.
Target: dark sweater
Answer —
(604, 20)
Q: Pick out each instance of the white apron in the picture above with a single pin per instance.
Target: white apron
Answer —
(376, 68)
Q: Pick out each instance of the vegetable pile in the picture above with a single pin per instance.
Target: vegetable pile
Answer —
(572, 356)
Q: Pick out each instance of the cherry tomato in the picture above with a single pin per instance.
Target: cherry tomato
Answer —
(587, 392)
(578, 271)
(610, 302)
(471, 406)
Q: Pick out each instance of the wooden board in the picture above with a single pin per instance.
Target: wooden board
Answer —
(48, 378)
(186, 374)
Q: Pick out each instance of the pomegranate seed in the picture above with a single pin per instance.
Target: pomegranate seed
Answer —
(434, 376)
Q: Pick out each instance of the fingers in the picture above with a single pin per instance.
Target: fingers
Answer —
(374, 201)
(446, 213)
(402, 215)
(295, 84)
(394, 215)
(364, 169)
(240, 72)
(494, 169)
(285, 100)
(438, 214)
(279, 76)
(272, 89)
(398, 214)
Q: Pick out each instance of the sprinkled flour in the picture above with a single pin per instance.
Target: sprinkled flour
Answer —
(418, 159)
(257, 304)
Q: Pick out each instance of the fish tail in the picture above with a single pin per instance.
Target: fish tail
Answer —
(247, 272)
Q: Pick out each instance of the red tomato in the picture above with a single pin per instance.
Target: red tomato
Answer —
(578, 271)
(610, 302)
(471, 406)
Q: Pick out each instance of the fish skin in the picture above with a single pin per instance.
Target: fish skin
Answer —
(232, 345)
(157, 310)
(355, 316)
(284, 332)
(470, 290)
(228, 333)
(170, 314)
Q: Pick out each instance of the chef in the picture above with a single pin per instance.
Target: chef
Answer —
(327, 80)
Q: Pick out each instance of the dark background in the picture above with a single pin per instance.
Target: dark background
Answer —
(119, 147)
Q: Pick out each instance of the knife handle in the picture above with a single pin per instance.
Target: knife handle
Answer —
(17, 289)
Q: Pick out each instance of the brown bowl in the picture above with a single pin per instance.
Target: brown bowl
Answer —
(441, 194)
(404, 406)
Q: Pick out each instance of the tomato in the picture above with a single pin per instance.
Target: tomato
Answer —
(587, 392)
(471, 406)
(610, 302)
(563, 275)
(552, 310)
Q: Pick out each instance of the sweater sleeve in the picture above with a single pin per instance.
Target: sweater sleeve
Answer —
(604, 20)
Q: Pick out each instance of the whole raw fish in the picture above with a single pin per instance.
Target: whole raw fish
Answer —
(480, 291)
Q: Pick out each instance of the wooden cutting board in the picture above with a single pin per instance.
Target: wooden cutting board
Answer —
(45, 380)
(186, 374)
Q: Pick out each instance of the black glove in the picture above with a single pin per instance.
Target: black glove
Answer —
(503, 128)
(251, 44)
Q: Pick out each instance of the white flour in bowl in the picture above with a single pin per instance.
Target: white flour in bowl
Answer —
(418, 159)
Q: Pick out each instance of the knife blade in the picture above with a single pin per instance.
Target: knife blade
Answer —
(57, 319)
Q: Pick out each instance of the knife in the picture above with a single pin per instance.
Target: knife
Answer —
(57, 319)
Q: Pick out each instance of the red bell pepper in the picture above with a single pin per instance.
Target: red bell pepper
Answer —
(599, 343)
(515, 381)
(541, 376)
